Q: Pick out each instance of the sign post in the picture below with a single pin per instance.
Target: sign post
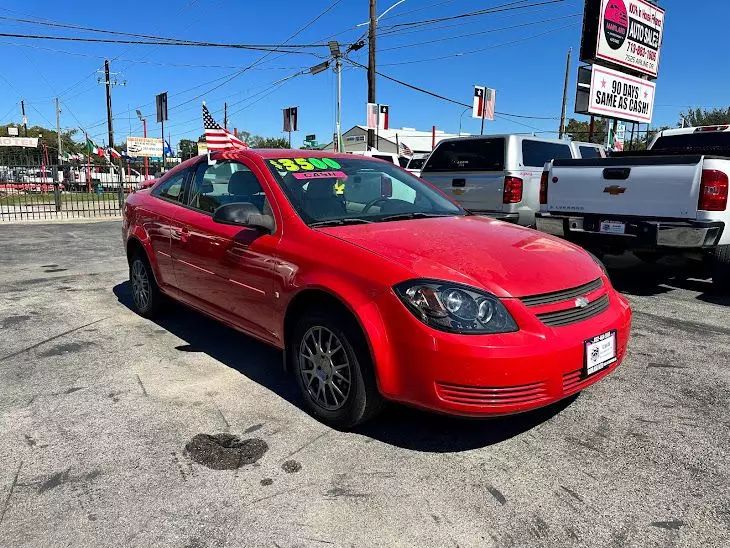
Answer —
(161, 101)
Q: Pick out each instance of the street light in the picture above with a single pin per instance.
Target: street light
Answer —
(381, 15)
(144, 129)
(461, 118)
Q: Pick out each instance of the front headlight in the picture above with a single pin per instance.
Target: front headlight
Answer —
(455, 308)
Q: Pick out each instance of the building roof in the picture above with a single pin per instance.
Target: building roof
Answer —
(411, 137)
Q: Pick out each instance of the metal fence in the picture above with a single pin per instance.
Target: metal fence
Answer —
(33, 192)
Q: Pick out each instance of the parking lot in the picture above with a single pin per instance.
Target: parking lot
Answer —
(97, 405)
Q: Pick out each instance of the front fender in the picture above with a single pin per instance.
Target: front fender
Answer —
(361, 301)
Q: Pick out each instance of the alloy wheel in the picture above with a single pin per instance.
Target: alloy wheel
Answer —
(325, 368)
(140, 285)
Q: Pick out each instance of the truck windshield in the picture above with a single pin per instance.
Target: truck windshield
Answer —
(467, 155)
(702, 142)
(356, 190)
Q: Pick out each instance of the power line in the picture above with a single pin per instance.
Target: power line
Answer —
(480, 32)
(444, 98)
(478, 50)
(165, 42)
(510, 6)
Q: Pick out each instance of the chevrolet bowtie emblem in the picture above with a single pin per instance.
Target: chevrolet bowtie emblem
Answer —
(614, 190)
(581, 302)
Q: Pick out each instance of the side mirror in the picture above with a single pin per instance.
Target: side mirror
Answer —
(243, 214)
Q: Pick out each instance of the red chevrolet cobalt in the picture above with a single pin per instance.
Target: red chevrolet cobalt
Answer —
(375, 285)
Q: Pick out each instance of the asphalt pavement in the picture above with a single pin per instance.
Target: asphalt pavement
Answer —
(97, 406)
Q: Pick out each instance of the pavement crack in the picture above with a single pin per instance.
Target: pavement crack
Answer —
(36, 345)
(307, 444)
(144, 390)
(10, 493)
(223, 417)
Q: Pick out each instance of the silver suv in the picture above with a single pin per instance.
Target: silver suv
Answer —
(497, 175)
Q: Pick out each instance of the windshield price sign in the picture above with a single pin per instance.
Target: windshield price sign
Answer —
(616, 95)
(623, 33)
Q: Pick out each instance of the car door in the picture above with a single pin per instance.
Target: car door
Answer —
(228, 270)
(159, 222)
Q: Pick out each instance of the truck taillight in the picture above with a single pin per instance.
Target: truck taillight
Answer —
(544, 186)
(713, 190)
(512, 190)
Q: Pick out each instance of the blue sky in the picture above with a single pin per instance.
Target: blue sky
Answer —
(523, 56)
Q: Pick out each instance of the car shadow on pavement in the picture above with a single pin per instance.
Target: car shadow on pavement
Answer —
(258, 361)
(418, 430)
(634, 277)
(397, 425)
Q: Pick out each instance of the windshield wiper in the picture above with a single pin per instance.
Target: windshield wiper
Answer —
(339, 222)
(415, 215)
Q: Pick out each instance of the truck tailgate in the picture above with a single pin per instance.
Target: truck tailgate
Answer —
(477, 191)
(658, 186)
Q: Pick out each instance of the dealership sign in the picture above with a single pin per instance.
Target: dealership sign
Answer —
(25, 142)
(141, 147)
(613, 94)
(626, 34)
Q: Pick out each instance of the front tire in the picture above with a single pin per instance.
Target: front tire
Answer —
(145, 292)
(721, 269)
(333, 369)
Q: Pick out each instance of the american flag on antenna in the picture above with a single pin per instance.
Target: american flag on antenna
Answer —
(217, 137)
(404, 149)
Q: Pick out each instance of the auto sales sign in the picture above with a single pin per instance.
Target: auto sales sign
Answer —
(626, 34)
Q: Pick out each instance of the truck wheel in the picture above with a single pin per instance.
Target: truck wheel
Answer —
(721, 268)
(334, 371)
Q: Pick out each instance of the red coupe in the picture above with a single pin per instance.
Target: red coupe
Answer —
(376, 286)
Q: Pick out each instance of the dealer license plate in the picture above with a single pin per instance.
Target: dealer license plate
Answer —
(600, 352)
(612, 227)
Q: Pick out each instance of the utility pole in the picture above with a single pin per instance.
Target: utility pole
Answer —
(371, 64)
(108, 83)
(225, 116)
(561, 131)
(25, 120)
(58, 132)
(338, 70)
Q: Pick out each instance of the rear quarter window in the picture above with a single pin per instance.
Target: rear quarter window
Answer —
(589, 152)
(536, 153)
(467, 155)
(383, 157)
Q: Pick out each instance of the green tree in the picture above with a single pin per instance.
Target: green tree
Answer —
(256, 141)
(702, 117)
(187, 148)
(579, 130)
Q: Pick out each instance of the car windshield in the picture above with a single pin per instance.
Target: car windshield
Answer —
(356, 190)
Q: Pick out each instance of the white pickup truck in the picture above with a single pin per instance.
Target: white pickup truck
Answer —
(671, 199)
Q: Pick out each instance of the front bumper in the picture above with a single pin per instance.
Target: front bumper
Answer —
(640, 234)
(489, 375)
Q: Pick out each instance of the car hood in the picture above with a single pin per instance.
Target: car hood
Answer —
(505, 259)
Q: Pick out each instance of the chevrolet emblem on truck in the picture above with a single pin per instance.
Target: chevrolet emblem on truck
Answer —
(614, 190)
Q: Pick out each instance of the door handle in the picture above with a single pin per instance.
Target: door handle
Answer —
(182, 234)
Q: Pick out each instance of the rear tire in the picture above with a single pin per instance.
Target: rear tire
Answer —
(721, 269)
(145, 292)
(333, 369)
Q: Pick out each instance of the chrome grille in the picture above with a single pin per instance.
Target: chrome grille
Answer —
(564, 295)
(574, 315)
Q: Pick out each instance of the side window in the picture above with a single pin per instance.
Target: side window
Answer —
(172, 188)
(383, 157)
(589, 152)
(225, 183)
(537, 153)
